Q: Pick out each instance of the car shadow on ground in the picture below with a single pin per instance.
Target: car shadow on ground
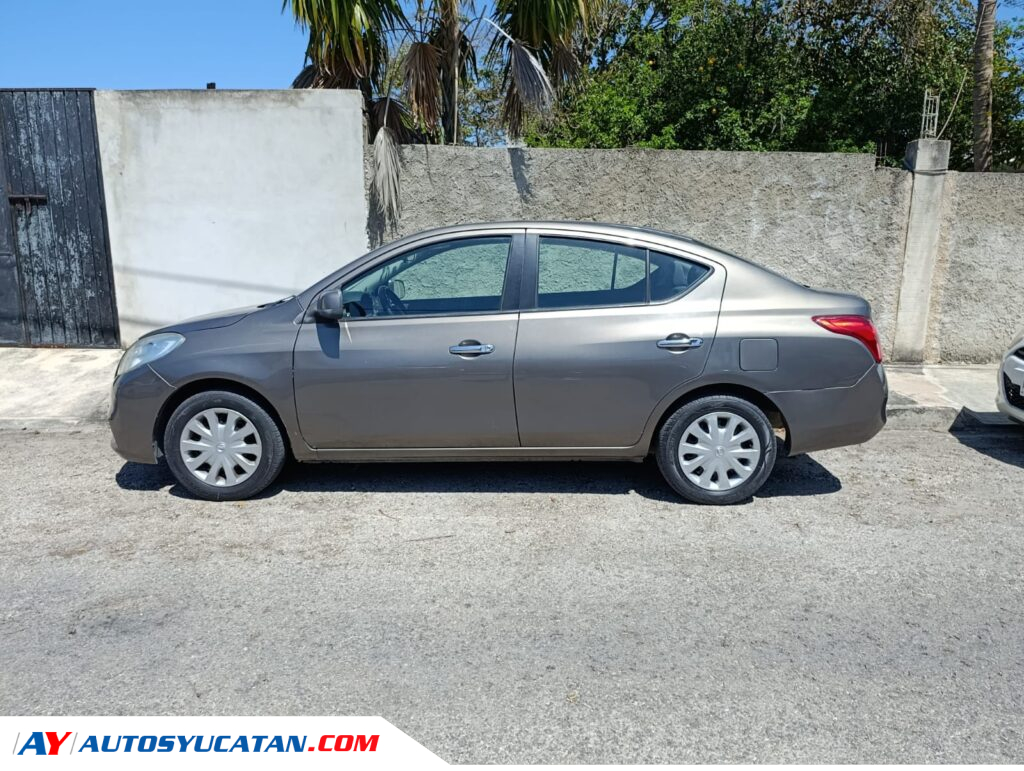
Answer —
(797, 476)
(1004, 444)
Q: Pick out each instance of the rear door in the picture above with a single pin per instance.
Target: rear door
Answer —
(425, 357)
(608, 328)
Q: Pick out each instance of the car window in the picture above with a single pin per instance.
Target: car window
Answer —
(463, 276)
(580, 273)
(573, 273)
(671, 276)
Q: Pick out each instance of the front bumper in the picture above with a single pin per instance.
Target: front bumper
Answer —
(823, 418)
(1009, 387)
(135, 406)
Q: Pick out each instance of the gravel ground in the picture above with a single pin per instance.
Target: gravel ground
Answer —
(868, 607)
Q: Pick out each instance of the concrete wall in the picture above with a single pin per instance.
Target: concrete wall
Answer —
(218, 199)
(828, 220)
(978, 297)
(833, 221)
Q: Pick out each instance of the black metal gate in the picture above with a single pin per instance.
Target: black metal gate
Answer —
(56, 279)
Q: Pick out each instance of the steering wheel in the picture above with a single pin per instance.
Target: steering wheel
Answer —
(390, 301)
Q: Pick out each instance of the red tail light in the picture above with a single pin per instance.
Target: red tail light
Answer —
(859, 327)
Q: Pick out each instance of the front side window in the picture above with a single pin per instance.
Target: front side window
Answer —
(463, 276)
(580, 273)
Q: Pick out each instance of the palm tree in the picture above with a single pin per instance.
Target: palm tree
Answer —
(412, 70)
(981, 108)
(546, 27)
(347, 45)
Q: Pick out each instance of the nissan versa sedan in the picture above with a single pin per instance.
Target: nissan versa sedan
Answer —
(512, 341)
(1011, 381)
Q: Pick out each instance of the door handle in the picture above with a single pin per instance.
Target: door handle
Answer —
(471, 348)
(680, 342)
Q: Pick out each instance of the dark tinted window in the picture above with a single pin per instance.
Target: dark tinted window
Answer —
(463, 276)
(575, 273)
(671, 276)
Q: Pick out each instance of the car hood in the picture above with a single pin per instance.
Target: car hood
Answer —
(211, 320)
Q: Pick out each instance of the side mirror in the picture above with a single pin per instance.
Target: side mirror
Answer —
(330, 305)
(398, 287)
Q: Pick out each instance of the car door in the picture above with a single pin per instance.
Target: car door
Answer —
(423, 357)
(607, 330)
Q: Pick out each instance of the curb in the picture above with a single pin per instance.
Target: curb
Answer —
(916, 417)
(55, 422)
(46, 424)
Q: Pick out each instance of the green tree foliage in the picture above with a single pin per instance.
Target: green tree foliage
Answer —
(844, 75)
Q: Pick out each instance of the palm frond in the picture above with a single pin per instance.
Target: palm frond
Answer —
(564, 67)
(542, 23)
(421, 70)
(393, 114)
(526, 85)
(347, 38)
(306, 77)
(386, 181)
(467, 59)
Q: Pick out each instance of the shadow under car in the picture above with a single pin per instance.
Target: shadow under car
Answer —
(797, 476)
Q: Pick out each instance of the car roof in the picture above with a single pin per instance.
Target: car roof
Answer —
(595, 228)
(588, 227)
(648, 235)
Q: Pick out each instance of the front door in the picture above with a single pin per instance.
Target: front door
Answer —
(606, 332)
(424, 356)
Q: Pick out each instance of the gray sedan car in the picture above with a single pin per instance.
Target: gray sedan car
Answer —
(512, 341)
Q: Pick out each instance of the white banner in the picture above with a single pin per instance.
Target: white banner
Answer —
(212, 742)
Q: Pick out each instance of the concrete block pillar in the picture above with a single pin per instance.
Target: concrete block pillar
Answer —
(928, 159)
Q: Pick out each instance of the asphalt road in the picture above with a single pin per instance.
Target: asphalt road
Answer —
(869, 606)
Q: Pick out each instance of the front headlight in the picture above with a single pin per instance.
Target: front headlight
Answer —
(148, 349)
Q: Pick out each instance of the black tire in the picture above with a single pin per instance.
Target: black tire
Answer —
(672, 433)
(269, 465)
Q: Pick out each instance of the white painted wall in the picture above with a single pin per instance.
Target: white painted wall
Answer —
(220, 199)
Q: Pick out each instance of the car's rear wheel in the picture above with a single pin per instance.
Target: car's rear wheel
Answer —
(222, 446)
(717, 450)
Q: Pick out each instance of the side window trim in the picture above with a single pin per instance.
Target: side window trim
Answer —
(531, 270)
(531, 261)
(510, 294)
(510, 291)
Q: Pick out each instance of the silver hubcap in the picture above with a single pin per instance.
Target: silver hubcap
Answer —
(221, 447)
(719, 451)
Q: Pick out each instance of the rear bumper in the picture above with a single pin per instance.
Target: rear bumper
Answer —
(834, 417)
(134, 407)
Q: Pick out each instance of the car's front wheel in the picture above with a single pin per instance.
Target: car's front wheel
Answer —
(222, 446)
(717, 449)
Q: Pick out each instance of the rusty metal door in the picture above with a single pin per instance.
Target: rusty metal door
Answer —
(56, 279)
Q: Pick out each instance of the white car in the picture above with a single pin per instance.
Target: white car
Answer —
(1011, 381)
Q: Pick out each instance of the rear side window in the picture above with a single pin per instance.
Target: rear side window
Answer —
(672, 276)
(576, 272)
(580, 273)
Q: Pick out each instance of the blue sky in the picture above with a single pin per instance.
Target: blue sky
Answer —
(148, 44)
(155, 43)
